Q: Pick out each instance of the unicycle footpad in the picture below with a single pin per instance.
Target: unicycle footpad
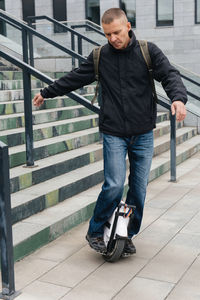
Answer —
(120, 237)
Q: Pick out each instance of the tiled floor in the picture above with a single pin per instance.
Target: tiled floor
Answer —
(166, 266)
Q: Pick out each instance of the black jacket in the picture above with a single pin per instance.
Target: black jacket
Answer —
(127, 106)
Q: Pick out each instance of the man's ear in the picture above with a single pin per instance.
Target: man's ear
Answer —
(129, 26)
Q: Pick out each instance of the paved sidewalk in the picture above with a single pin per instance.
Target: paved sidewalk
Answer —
(166, 266)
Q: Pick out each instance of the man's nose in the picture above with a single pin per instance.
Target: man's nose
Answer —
(112, 38)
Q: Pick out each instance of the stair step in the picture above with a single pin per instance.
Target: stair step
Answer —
(183, 152)
(17, 106)
(162, 143)
(41, 116)
(67, 182)
(18, 75)
(47, 225)
(4, 67)
(18, 155)
(21, 178)
(34, 199)
(13, 95)
(58, 145)
(15, 137)
(18, 94)
(18, 84)
(10, 75)
(46, 168)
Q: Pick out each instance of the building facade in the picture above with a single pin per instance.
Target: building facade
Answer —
(174, 25)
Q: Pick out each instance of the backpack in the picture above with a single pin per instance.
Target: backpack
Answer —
(145, 52)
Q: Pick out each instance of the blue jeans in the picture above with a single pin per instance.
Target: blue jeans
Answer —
(115, 149)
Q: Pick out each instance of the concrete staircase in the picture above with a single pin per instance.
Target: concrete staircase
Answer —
(61, 190)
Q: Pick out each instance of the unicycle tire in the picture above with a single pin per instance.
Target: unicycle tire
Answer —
(116, 252)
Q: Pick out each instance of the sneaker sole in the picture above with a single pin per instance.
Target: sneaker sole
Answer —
(127, 254)
(96, 250)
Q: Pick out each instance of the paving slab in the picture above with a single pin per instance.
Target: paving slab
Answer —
(30, 269)
(107, 280)
(172, 261)
(43, 290)
(193, 227)
(65, 246)
(145, 289)
(150, 215)
(168, 197)
(188, 287)
(76, 268)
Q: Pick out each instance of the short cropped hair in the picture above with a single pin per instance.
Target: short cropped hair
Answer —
(113, 13)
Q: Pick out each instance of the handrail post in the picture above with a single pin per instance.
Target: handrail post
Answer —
(24, 45)
(30, 39)
(73, 49)
(28, 118)
(27, 104)
(6, 239)
(80, 48)
(173, 147)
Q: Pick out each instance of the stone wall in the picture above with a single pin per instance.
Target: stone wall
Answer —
(180, 42)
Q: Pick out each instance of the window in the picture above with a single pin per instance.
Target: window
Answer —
(60, 10)
(164, 12)
(2, 23)
(197, 11)
(129, 7)
(28, 9)
(59, 13)
(93, 11)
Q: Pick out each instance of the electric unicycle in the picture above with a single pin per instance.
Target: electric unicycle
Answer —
(116, 231)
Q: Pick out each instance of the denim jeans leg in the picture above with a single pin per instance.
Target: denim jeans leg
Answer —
(140, 156)
(114, 152)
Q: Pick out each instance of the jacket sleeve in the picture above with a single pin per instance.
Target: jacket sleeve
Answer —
(165, 73)
(73, 80)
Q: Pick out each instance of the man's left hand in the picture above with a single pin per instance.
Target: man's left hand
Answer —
(179, 109)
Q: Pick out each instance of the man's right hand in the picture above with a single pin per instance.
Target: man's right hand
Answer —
(38, 100)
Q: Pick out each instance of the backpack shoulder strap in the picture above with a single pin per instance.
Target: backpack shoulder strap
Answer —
(145, 52)
(96, 56)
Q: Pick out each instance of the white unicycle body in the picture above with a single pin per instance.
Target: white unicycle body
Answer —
(116, 231)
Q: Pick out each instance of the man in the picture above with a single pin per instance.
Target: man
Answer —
(127, 118)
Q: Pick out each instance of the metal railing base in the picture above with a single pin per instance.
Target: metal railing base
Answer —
(30, 167)
(9, 297)
(173, 180)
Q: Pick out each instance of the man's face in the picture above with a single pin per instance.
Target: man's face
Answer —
(117, 33)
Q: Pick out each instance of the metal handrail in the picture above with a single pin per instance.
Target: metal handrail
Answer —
(28, 71)
(88, 26)
(74, 33)
(28, 31)
(67, 28)
(89, 22)
(191, 80)
(48, 80)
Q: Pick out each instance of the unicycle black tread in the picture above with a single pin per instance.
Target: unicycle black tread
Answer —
(116, 252)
